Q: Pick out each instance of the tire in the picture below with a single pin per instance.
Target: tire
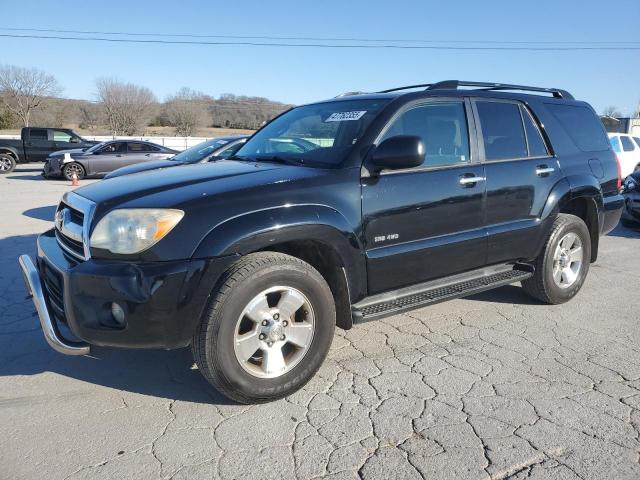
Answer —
(7, 163)
(542, 286)
(271, 276)
(70, 168)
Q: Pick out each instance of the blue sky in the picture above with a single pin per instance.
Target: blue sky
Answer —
(298, 75)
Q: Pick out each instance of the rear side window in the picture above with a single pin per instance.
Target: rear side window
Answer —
(637, 139)
(627, 144)
(139, 147)
(582, 125)
(535, 142)
(442, 126)
(615, 144)
(38, 134)
(502, 130)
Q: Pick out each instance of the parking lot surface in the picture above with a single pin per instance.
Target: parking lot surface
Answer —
(493, 386)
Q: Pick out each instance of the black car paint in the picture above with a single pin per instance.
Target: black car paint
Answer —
(27, 149)
(432, 226)
(631, 212)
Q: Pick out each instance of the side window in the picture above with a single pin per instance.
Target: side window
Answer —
(535, 142)
(502, 130)
(60, 136)
(38, 134)
(443, 129)
(615, 144)
(138, 147)
(637, 140)
(115, 147)
(582, 125)
(627, 144)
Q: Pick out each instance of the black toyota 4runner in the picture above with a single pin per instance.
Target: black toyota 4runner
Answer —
(334, 213)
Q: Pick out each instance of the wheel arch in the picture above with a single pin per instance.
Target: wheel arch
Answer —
(319, 235)
(11, 151)
(580, 196)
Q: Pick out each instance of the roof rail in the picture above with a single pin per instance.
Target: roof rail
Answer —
(349, 94)
(406, 88)
(454, 84)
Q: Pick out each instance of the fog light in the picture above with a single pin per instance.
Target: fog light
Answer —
(117, 313)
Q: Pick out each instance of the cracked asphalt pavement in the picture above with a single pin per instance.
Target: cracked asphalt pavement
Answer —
(494, 386)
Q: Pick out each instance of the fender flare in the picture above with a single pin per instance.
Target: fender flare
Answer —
(260, 229)
(12, 151)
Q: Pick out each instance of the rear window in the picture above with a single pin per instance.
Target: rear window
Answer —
(38, 134)
(582, 125)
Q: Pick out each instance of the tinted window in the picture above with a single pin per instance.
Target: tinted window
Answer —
(115, 147)
(38, 134)
(582, 125)
(637, 139)
(60, 136)
(442, 127)
(230, 150)
(139, 147)
(537, 147)
(627, 144)
(502, 130)
(615, 144)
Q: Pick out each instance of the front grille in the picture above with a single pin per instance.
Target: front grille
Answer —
(54, 286)
(70, 224)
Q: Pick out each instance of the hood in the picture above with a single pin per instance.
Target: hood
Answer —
(142, 167)
(170, 187)
(72, 152)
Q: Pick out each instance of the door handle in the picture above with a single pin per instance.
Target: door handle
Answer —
(469, 181)
(119, 155)
(543, 170)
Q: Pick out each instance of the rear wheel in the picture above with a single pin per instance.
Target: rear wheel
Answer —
(267, 329)
(71, 168)
(7, 163)
(563, 264)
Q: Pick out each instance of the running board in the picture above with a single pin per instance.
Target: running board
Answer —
(429, 293)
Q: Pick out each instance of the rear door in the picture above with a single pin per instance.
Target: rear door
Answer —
(138, 152)
(520, 174)
(426, 222)
(37, 144)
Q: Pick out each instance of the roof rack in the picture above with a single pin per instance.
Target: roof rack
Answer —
(454, 84)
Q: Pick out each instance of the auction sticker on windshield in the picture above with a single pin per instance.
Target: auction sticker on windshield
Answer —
(345, 116)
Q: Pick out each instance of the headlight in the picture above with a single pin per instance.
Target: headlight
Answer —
(133, 230)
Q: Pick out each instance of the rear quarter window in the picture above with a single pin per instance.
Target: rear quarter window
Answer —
(582, 126)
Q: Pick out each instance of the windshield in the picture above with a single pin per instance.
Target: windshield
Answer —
(200, 151)
(322, 133)
(95, 147)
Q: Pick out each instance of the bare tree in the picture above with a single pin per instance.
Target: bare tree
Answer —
(89, 116)
(186, 111)
(127, 107)
(611, 111)
(24, 90)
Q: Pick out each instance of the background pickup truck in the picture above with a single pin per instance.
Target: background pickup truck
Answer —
(35, 144)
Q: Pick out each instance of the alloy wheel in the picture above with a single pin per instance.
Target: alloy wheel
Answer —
(274, 332)
(567, 260)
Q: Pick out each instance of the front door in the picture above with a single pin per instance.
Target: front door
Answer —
(113, 155)
(426, 222)
(520, 175)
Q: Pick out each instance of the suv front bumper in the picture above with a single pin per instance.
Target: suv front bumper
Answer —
(162, 301)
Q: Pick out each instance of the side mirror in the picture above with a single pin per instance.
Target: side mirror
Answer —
(401, 151)
(74, 140)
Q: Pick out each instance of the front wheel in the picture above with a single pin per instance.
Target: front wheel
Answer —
(267, 329)
(7, 163)
(563, 264)
(73, 168)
